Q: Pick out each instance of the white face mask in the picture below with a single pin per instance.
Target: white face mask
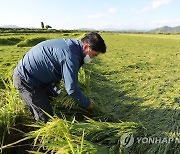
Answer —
(87, 59)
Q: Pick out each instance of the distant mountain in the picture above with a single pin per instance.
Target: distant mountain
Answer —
(166, 29)
(177, 29)
(86, 29)
(10, 26)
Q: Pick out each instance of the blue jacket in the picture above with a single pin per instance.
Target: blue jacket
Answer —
(52, 60)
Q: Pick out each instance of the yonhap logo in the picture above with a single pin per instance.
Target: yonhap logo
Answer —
(127, 139)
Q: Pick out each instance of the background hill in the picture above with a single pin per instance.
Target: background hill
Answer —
(166, 29)
(10, 26)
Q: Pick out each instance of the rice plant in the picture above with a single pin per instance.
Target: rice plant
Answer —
(64, 104)
(62, 136)
(12, 114)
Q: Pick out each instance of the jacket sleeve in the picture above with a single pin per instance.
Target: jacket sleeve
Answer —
(70, 77)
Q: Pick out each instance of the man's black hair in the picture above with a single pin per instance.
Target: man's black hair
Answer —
(95, 41)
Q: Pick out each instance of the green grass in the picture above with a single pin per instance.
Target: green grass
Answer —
(136, 81)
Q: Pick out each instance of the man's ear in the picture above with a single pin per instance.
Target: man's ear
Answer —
(85, 47)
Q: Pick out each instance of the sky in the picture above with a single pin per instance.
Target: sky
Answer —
(94, 14)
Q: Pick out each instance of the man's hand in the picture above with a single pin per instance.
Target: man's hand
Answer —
(91, 105)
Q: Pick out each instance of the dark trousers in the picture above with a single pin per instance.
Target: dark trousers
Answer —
(35, 97)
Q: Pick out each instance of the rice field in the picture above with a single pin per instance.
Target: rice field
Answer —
(135, 87)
